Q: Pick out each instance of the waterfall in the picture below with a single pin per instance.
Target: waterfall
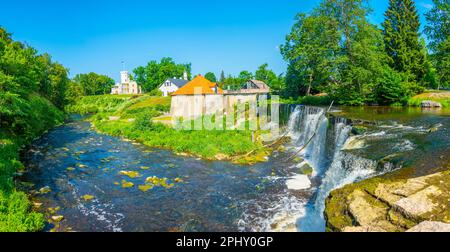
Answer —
(333, 166)
(304, 124)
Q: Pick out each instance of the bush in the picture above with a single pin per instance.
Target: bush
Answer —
(156, 92)
(392, 89)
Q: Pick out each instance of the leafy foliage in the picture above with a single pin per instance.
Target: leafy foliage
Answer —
(438, 23)
(33, 89)
(211, 77)
(402, 39)
(335, 50)
(93, 84)
(438, 32)
(152, 75)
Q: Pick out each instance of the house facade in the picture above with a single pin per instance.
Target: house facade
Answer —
(198, 97)
(172, 85)
(202, 97)
(126, 85)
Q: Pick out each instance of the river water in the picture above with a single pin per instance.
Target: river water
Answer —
(74, 161)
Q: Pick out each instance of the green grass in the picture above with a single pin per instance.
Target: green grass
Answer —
(15, 214)
(100, 104)
(204, 143)
(443, 97)
(15, 208)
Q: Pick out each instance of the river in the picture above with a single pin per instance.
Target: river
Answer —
(84, 171)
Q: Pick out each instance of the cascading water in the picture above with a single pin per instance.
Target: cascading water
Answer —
(308, 125)
(333, 167)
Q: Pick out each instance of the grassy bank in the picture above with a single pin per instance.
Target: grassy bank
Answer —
(442, 97)
(134, 118)
(15, 208)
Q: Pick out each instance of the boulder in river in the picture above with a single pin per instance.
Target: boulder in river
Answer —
(299, 182)
(430, 104)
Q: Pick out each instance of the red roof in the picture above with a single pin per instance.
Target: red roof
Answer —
(198, 86)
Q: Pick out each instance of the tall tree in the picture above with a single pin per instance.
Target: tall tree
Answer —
(222, 79)
(438, 32)
(336, 50)
(151, 76)
(402, 39)
(211, 77)
(310, 49)
(438, 23)
(263, 73)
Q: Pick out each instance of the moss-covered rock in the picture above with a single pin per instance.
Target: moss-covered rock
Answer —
(393, 203)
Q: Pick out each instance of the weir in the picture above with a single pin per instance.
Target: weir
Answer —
(333, 167)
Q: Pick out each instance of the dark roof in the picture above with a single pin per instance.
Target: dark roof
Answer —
(256, 84)
(178, 82)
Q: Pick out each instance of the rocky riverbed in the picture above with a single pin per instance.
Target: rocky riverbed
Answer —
(392, 204)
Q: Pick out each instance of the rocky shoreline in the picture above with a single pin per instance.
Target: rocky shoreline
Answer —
(395, 202)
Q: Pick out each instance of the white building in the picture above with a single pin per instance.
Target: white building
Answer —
(172, 85)
(126, 85)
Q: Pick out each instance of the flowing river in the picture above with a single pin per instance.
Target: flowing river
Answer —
(84, 172)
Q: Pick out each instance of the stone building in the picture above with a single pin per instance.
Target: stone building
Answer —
(202, 97)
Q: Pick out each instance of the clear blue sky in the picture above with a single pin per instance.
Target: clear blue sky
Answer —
(96, 35)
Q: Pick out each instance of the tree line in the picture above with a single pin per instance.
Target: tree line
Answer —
(263, 73)
(336, 50)
(30, 84)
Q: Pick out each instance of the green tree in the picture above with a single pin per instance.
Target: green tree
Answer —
(402, 39)
(391, 88)
(211, 77)
(438, 32)
(276, 83)
(245, 76)
(335, 50)
(94, 84)
(151, 76)
(222, 79)
(310, 49)
(438, 23)
(442, 62)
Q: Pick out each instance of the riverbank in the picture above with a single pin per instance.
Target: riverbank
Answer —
(15, 208)
(136, 118)
(85, 181)
(439, 97)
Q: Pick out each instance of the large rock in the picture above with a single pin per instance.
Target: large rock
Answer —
(430, 104)
(365, 229)
(364, 212)
(431, 226)
(391, 204)
(419, 203)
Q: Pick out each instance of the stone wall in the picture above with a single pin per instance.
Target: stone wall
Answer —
(193, 106)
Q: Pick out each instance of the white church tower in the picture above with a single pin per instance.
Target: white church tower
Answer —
(124, 77)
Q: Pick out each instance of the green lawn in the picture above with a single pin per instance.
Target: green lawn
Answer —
(443, 97)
